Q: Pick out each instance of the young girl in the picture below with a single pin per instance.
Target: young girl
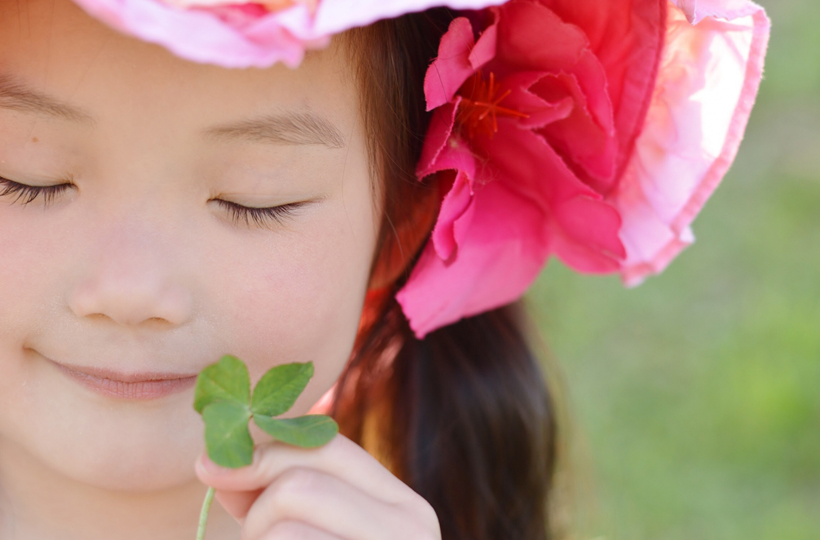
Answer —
(369, 185)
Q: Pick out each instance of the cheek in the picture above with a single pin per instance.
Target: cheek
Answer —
(298, 296)
(17, 292)
(30, 263)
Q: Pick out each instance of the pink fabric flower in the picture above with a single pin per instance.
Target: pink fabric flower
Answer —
(240, 35)
(589, 130)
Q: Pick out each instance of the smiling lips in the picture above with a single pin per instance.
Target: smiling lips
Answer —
(133, 386)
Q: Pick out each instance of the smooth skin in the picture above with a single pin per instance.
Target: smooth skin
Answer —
(139, 264)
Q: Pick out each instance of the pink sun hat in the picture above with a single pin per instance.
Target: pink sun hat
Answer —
(591, 130)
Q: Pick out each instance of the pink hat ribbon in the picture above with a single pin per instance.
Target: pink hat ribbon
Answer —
(592, 130)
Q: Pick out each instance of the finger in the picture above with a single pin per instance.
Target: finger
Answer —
(237, 503)
(294, 530)
(341, 457)
(327, 503)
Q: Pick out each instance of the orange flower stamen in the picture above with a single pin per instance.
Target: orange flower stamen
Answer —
(480, 106)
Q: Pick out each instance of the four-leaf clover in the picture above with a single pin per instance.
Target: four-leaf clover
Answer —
(223, 398)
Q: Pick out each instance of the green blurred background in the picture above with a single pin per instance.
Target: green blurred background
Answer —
(695, 398)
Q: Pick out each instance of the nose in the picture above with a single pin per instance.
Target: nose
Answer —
(131, 280)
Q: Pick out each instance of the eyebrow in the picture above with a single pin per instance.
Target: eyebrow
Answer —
(16, 96)
(291, 129)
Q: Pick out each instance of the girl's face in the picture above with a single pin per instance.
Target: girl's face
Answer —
(143, 262)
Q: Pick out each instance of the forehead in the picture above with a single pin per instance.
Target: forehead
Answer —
(54, 47)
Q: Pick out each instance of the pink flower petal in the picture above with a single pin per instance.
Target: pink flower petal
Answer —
(706, 87)
(455, 214)
(485, 47)
(539, 111)
(438, 135)
(626, 37)
(452, 66)
(532, 38)
(491, 241)
(459, 57)
(586, 225)
(585, 137)
(586, 235)
(455, 218)
(505, 228)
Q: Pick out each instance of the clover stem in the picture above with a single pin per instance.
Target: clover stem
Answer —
(203, 516)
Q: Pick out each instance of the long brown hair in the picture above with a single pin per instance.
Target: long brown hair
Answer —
(463, 416)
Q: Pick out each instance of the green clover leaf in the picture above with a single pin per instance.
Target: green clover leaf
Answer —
(277, 390)
(223, 398)
(308, 431)
(226, 434)
(227, 380)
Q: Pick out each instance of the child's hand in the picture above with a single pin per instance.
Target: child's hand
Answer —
(335, 492)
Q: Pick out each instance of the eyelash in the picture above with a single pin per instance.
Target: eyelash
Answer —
(261, 217)
(30, 193)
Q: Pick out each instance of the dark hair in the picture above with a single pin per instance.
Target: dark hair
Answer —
(463, 416)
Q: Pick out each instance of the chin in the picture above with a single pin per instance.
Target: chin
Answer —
(137, 452)
(136, 467)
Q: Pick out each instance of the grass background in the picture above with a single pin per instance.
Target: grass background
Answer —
(695, 398)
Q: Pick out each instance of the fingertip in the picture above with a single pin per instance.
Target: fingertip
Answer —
(199, 467)
(205, 467)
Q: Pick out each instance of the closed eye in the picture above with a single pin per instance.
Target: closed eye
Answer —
(262, 217)
(26, 194)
